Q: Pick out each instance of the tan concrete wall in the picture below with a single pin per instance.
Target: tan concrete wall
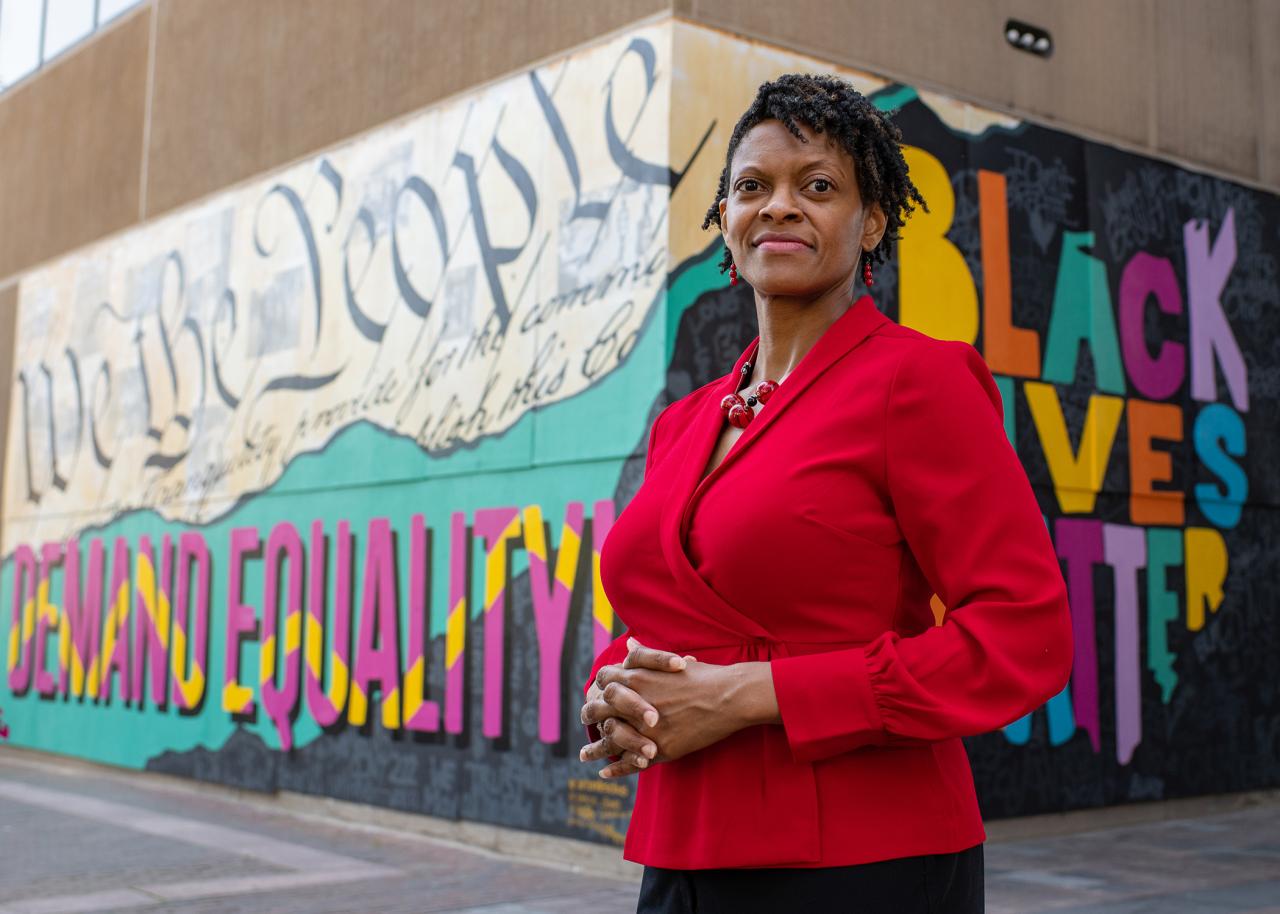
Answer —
(1184, 78)
(1266, 43)
(242, 85)
(1206, 96)
(71, 148)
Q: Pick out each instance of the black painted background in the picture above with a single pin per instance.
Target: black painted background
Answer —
(1221, 729)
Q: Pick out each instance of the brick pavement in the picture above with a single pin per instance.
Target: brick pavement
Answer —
(76, 837)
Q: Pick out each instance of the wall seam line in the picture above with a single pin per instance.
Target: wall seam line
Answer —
(148, 97)
(1153, 78)
(1260, 90)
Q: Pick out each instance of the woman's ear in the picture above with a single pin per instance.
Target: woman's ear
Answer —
(874, 223)
(724, 203)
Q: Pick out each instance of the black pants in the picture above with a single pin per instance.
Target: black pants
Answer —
(932, 884)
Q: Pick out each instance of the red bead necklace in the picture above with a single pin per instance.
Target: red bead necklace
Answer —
(739, 410)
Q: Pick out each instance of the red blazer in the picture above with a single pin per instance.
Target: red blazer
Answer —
(877, 475)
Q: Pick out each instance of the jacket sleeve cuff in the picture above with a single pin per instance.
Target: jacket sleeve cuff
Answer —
(826, 703)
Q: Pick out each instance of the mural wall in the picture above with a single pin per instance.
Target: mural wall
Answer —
(305, 485)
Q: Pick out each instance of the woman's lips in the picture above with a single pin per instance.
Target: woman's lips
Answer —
(782, 247)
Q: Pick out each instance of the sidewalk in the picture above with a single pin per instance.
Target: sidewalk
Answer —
(76, 837)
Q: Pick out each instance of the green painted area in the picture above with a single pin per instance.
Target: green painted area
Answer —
(1082, 313)
(1164, 551)
(1005, 386)
(892, 98)
(701, 275)
(569, 451)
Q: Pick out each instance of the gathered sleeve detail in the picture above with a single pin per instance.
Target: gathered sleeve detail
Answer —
(967, 513)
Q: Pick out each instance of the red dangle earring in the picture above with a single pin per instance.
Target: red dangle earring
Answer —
(733, 274)
(866, 270)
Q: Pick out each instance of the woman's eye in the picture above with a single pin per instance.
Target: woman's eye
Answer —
(748, 184)
(821, 185)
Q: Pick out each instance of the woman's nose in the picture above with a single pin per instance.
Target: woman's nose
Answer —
(780, 206)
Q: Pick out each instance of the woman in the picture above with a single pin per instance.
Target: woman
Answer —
(791, 541)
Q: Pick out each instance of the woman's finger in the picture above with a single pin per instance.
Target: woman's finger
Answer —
(597, 712)
(603, 749)
(618, 770)
(628, 739)
(618, 700)
(640, 657)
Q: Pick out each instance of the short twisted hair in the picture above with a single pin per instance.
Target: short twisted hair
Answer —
(830, 105)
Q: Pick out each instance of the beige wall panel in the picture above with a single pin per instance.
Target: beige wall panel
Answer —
(912, 39)
(1100, 77)
(242, 85)
(1266, 45)
(1206, 106)
(71, 148)
(1174, 76)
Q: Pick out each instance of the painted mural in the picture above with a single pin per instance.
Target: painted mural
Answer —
(305, 485)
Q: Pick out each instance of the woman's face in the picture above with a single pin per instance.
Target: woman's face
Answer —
(793, 218)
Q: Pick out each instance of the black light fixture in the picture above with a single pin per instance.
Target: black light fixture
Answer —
(1029, 38)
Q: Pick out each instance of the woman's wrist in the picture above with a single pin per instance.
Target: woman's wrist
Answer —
(749, 698)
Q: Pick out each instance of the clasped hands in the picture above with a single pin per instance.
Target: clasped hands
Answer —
(657, 706)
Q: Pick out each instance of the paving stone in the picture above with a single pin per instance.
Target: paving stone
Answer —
(154, 846)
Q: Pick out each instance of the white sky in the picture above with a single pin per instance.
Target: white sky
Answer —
(65, 22)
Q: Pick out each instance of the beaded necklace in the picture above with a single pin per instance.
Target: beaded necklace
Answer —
(739, 410)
